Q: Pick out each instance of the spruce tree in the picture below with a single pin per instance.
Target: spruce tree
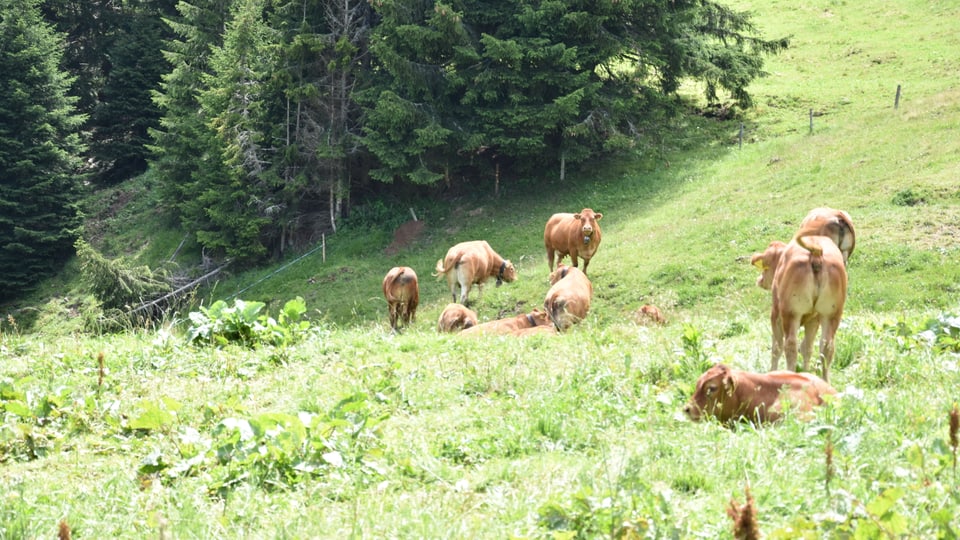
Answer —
(39, 151)
(125, 112)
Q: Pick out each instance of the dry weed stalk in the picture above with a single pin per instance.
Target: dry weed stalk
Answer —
(828, 453)
(744, 518)
(63, 532)
(100, 370)
(954, 427)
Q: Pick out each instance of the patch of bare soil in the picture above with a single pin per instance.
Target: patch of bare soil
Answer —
(406, 234)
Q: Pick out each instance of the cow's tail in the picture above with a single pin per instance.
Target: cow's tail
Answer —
(816, 251)
(442, 267)
(804, 242)
(439, 270)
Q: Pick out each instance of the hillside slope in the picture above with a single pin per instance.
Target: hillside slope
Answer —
(681, 223)
(347, 430)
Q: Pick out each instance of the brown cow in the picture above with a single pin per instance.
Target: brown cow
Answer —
(469, 263)
(522, 332)
(650, 313)
(577, 235)
(402, 292)
(510, 324)
(456, 317)
(729, 394)
(834, 224)
(809, 288)
(568, 300)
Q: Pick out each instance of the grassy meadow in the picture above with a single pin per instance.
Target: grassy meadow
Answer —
(338, 428)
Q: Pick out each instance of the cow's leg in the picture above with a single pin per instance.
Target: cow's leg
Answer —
(550, 253)
(810, 327)
(827, 346)
(791, 325)
(464, 292)
(776, 348)
(585, 263)
(393, 315)
(452, 283)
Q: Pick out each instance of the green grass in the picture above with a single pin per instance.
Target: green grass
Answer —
(435, 436)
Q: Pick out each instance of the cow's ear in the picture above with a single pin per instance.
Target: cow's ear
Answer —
(576, 216)
(728, 382)
(759, 262)
(598, 216)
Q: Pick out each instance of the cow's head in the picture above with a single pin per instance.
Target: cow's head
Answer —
(506, 273)
(713, 396)
(588, 223)
(767, 263)
(538, 317)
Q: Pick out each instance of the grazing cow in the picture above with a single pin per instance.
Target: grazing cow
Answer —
(577, 235)
(808, 287)
(456, 317)
(508, 325)
(568, 300)
(729, 394)
(402, 292)
(469, 263)
(834, 224)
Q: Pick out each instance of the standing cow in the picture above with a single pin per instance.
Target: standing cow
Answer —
(808, 285)
(402, 292)
(577, 235)
(568, 300)
(472, 263)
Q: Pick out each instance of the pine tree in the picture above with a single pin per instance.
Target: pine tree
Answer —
(523, 85)
(183, 144)
(39, 151)
(241, 202)
(125, 112)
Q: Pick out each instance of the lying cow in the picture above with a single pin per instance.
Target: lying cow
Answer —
(472, 263)
(456, 317)
(729, 394)
(577, 235)
(808, 288)
(649, 313)
(402, 292)
(568, 300)
(834, 224)
(510, 324)
(534, 330)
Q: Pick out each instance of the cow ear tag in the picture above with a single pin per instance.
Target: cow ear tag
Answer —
(759, 263)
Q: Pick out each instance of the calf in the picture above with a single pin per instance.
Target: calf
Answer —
(510, 324)
(577, 235)
(650, 313)
(808, 288)
(402, 292)
(568, 300)
(729, 394)
(456, 317)
(472, 263)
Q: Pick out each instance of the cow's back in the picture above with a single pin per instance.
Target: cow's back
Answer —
(807, 283)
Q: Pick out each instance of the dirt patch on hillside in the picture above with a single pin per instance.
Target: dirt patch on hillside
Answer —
(405, 235)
